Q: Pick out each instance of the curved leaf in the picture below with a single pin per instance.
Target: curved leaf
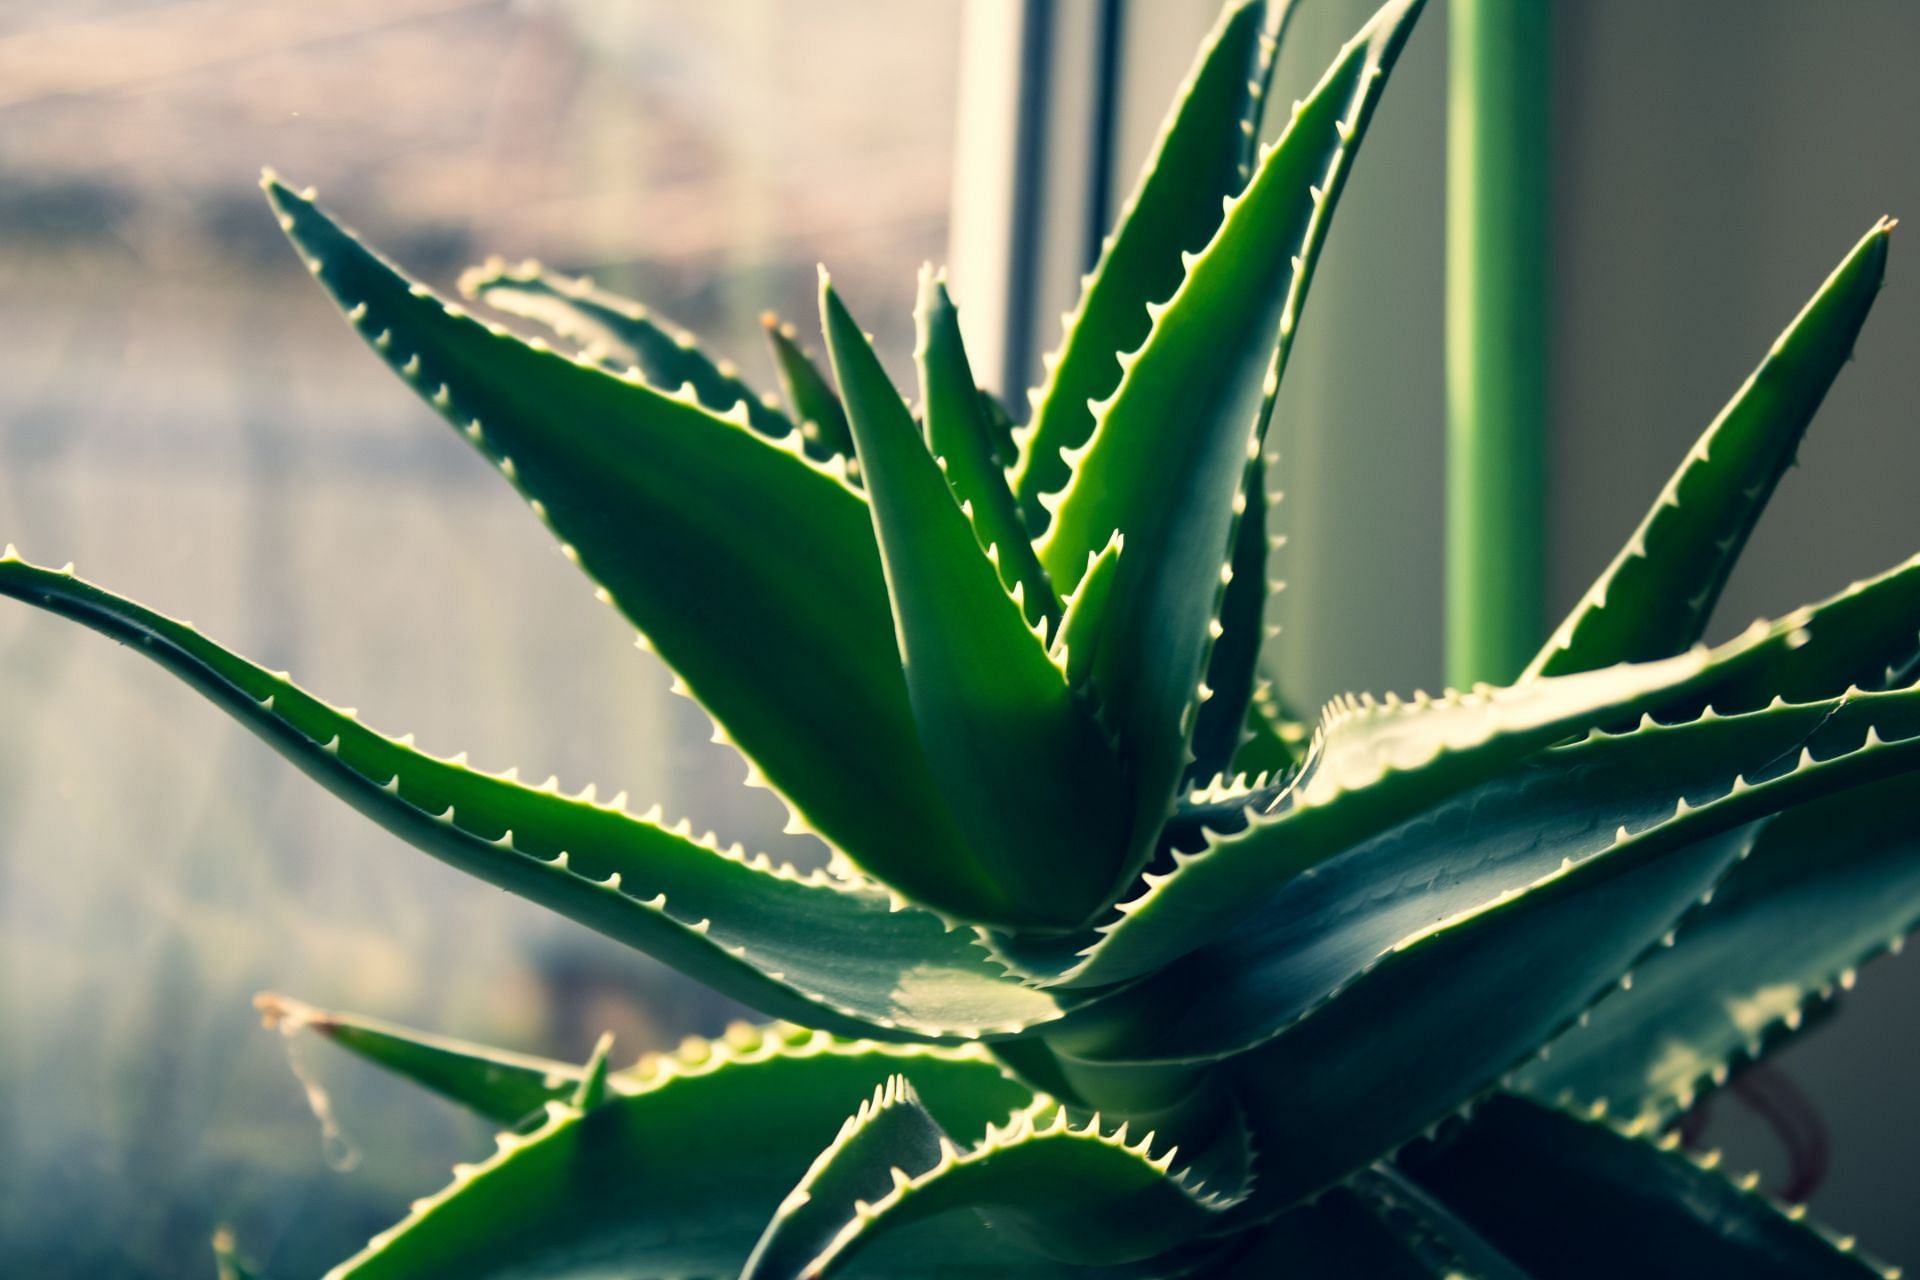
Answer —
(1827, 887)
(1026, 773)
(1373, 765)
(648, 1185)
(1656, 596)
(1174, 209)
(753, 573)
(812, 948)
(1579, 1200)
(960, 435)
(621, 334)
(822, 417)
(883, 1145)
(1170, 448)
(1626, 798)
(1079, 1195)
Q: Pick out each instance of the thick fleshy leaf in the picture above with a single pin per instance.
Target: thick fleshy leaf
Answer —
(1083, 621)
(1026, 772)
(1827, 887)
(884, 1144)
(1373, 765)
(999, 428)
(1170, 448)
(1226, 719)
(1656, 596)
(960, 435)
(1621, 798)
(505, 1087)
(812, 948)
(1081, 1195)
(1581, 1200)
(622, 335)
(1174, 210)
(650, 1184)
(752, 572)
(808, 389)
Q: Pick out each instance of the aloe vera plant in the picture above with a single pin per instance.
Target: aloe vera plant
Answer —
(1117, 968)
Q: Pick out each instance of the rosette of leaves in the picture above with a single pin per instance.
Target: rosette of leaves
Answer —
(1117, 969)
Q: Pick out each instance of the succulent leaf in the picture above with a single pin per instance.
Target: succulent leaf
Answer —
(1827, 887)
(621, 335)
(1656, 596)
(814, 948)
(1081, 1194)
(505, 1087)
(751, 572)
(1625, 798)
(886, 1143)
(960, 434)
(1373, 765)
(808, 389)
(637, 1188)
(1174, 209)
(1582, 1200)
(1224, 722)
(1025, 770)
(1171, 446)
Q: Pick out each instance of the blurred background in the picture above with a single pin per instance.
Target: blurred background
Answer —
(184, 415)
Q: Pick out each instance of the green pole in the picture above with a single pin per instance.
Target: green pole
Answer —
(1496, 336)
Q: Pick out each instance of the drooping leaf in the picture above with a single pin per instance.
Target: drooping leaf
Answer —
(649, 1184)
(810, 947)
(1080, 1195)
(1027, 774)
(1170, 448)
(1633, 797)
(960, 435)
(1656, 596)
(753, 573)
(1827, 886)
(883, 1145)
(1174, 210)
(1581, 1200)
(622, 334)
(808, 389)
(505, 1087)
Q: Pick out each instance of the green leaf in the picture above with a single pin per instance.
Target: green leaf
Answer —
(1580, 1200)
(1084, 620)
(753, 573)
(1374, 764)
(621, 334)
(1656, 596)
(812, 948)
(960, 435)
(1226, 720)
(999, 429)
(809, 392)
(1081, 1195)
(650, 1184)
(1827, 887)
(883, 1145)
(593, 1081)
(1171, 446)
(1860, 638)
(504, 1087)
(1625, 798)
(1174, 209)
(1023, 767)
